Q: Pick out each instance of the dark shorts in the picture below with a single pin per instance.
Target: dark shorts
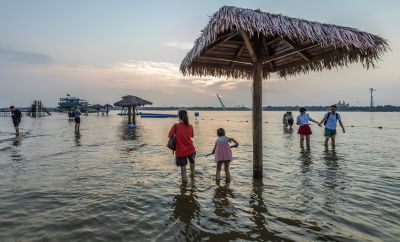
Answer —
(77, 120)
(16, 123)
(290, 122)
(183, 161)
(329, 132)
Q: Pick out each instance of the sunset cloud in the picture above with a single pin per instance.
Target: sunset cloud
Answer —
(179, 45)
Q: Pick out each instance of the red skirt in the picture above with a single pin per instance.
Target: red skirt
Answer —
(305, 130)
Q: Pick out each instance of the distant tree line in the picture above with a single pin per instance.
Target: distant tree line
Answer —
(196, 108)
(385, 108)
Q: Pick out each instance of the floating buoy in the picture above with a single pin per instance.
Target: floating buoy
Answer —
(380, 127)
(247, 121)
(352, 126)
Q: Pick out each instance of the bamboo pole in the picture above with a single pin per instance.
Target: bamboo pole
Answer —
(134, 115)
(257, 121)
(254, 46)
(129, 114)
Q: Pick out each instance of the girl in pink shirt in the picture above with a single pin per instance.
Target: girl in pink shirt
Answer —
(223, 153)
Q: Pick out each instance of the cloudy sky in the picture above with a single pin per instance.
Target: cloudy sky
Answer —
(101, 50)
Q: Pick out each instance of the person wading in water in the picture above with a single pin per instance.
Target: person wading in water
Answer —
(77, 116)
(184, 151)
(330, 121)
(16, 116)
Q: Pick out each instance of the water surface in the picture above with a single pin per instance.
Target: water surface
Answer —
(110, 184)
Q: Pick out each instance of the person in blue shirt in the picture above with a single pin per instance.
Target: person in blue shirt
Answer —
(330, 121)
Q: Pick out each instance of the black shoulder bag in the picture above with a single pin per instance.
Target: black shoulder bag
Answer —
(172, 141)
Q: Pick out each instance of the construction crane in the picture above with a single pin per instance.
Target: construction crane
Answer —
(220, 100)
(371, 90)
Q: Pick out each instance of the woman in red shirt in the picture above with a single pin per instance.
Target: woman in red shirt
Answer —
(183, 132)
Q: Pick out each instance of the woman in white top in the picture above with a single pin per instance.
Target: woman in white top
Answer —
(303, 120)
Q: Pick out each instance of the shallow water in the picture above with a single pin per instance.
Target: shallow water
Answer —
(111, 184)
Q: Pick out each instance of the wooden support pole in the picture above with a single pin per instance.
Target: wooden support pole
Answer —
(257, 121)
(134, 115)
(129, 114)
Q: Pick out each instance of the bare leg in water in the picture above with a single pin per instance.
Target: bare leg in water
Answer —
(326, 141)
(218, 173)
(333, 142)
(183, 174)
(227, 173)
(308, 142)
(192, 165)
(301, 141)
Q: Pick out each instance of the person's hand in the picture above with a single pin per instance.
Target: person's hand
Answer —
(235, 146)
(344, 131)
(319, 124)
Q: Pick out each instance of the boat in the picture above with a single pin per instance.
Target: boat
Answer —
(157, 115)
(68, 103)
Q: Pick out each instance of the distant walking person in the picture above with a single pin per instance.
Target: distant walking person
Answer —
(290, 120)
(184, 150)
(285, 120)
(223, 153)
(330, 121)
(16, 116)
(77, 116)
(303, 120)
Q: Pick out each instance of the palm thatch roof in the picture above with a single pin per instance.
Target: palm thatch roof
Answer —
(96, 106)
(131, 101)
(289, 46)
(108, 106)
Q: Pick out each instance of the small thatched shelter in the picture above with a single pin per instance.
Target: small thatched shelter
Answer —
(96, 107)
(131, 103)
(107, 107)
(244, 43)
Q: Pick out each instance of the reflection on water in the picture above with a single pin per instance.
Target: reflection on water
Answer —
(287, 138)
(333, 176)
(223, 207)
(185, 209)
(16, 141)
(259, 211)
(111, 183)
(129, 133)
(78, 138)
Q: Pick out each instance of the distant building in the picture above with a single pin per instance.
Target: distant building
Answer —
(69, 103)
(342, 105)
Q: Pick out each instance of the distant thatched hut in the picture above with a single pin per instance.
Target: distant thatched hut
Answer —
(244, 43)
(131, 103)
(107, 107)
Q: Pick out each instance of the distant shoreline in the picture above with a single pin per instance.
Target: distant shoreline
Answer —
(385, 108)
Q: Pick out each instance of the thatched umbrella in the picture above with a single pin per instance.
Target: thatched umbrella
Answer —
(131, 102)
(107, 107)
(244, 43)
(96, 107)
